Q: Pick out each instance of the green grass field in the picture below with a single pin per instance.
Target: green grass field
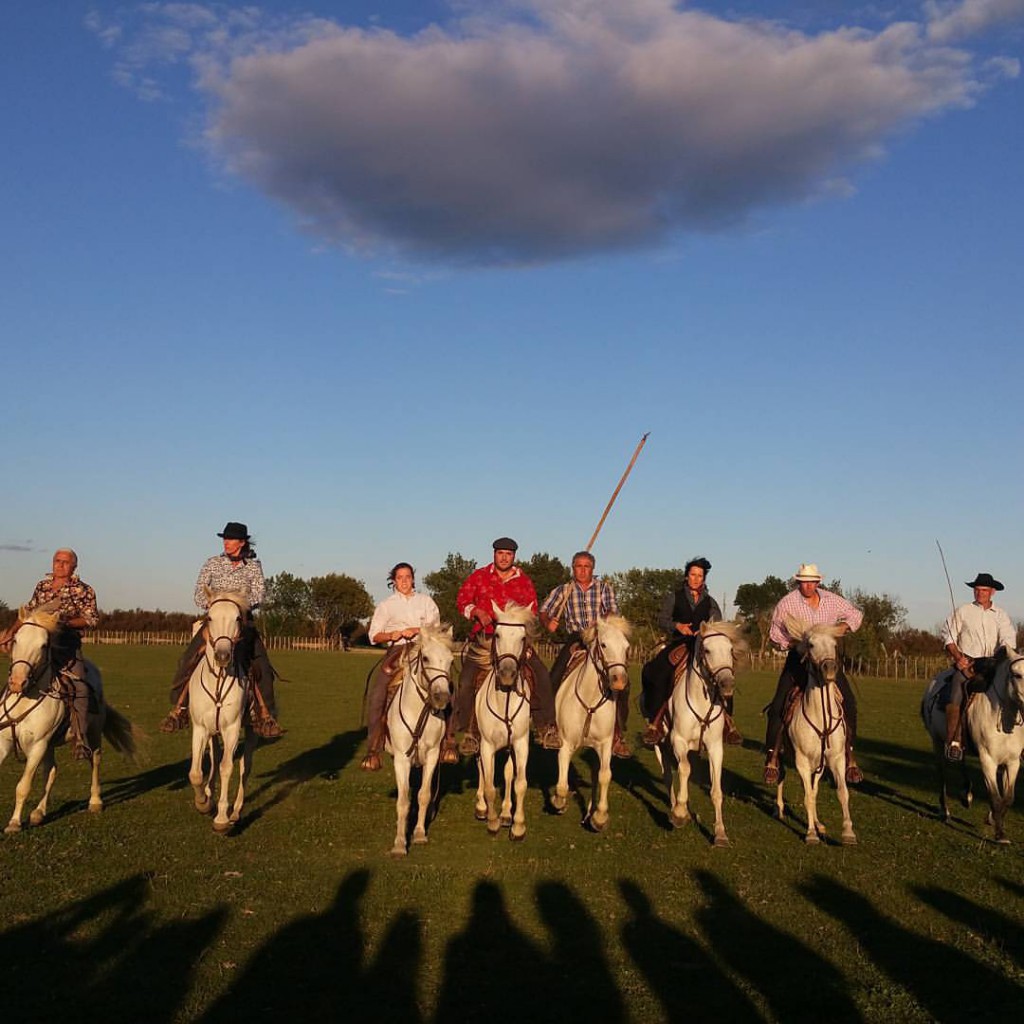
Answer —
(142, 913)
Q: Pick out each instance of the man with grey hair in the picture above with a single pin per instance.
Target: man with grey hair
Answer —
(76, 610)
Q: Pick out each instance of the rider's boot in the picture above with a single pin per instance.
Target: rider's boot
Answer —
(854, 775)
(731, 734)
(954, 746)
(470, 745)
(772, 741)
(264, 724)
(449, 748)
(177, 718)
(620, 748)
(655, 731)
(371, 763)
(547, 736)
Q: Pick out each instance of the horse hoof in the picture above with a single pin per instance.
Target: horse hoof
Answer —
(480, 815)
(778, 813)
(397, 853)
(202, 806)
(678, 820)
(222, 828)
(419, 840)
(517, 838)
(12, 828)
(849, 840)
(721, 842)
(493, 828)
(598, 826)
(1002, 841)
(811, 839)
(36, 817)
(505, 820)
(559, 803)
(94, 808)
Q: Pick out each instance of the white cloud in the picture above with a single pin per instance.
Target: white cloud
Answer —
(560, 128)
(953, 22)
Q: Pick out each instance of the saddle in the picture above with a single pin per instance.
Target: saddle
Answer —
(576, 659)
(483, 671)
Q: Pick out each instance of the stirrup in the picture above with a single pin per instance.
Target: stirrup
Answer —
(81, 751)
(470, 746)
(371, 763)
(653, 735)
(771, 772)
(620, 748)
(954, 751)
(449, 752)
(854, 776)
(548, 737)
(266, 727)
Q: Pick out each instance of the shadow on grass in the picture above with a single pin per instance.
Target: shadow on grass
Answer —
(102, 958)
(313, 969)
(998, 928)
(687, 982)
(947, 982)
(770, 959)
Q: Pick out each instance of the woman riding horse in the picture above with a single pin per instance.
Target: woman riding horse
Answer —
(238, 570)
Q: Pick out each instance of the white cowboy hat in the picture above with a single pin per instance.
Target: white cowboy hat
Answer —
(807, 572)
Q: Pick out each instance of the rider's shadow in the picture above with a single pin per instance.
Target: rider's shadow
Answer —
(687, 982)
(313, 968)
(770, 959)
(998, 928)
(947, 982)
(101, 946)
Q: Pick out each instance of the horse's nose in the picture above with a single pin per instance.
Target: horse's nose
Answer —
(222, 655)
(618, 680)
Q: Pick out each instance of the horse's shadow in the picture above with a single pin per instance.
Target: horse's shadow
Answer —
(280, 782)
(1000, 929)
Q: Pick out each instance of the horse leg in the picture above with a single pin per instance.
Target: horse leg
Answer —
(990, 771)
(24, 786)
(419, 835)
(229, 740)
(599, 815)
(49, 764)
(244, 768)
(506, 800)
(680, 812)
(402, 771)
(837, 766)
(716, 754)
(560, 798)
(490, 796)
(196, 775)
(95, 796)
(522, 750)
(810, 782)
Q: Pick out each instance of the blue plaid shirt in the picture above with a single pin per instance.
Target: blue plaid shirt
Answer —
(583, 607)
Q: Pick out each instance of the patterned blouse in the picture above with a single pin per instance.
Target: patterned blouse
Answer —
(221, 573)
(77, 599)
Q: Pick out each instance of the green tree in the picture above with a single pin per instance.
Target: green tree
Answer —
(547, 572)
(755, 603)
(7, 615)
(337, 601)
(286, 608)
(640, 593)
(443, 586)
(884, 616)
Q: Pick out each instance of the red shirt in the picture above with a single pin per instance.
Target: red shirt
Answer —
(485, 585)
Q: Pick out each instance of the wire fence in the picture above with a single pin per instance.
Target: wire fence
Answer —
(892, 666)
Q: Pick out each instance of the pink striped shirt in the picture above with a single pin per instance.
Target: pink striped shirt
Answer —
(831, 609)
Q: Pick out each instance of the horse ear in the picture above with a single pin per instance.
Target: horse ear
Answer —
(207, 591)
(449, 631)
(497, 611)
(795, 627)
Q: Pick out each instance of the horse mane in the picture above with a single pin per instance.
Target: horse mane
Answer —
(441, 634)
(520, 615)
(619, 622)
(737, 634)
(239, 597)
(46, 615)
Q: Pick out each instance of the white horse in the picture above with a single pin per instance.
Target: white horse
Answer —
(503, 717)
(585, 711)
(995, 722)
(698, 718)
(34, 717)
(817, 732)
(218, 699)
(416, 723)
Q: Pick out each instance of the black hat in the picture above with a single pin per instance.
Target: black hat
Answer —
(235, 531)
(984, 579)
(505, 544)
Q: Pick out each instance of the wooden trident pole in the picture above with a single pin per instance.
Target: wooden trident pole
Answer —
(611, 500)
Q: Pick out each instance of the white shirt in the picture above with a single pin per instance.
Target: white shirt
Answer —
(978, 632)
(399, 612)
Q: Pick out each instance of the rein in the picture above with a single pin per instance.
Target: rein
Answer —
(830, 722)
(603, 667)
(414, 670)
(220, 694)
(709, 677)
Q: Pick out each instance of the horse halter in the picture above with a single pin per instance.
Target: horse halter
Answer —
(429, 675)
(517, 659)
(231, 640)
(602, 664)
(709, 673)
(33, 670)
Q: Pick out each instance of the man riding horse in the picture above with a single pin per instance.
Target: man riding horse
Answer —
(577, 605)
(76, 611)
(973, 635)
(813, 606)
(501, 583)
(238, 570)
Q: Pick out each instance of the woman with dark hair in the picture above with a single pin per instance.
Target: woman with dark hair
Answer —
(237, 569)
(682, 612)
(396, 621)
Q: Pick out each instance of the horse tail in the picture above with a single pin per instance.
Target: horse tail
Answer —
(122, 734)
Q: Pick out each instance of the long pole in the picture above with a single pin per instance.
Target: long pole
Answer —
(611, 500)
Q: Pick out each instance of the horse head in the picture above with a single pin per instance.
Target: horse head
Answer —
(225, 614)
(818, 646)
(1015, 679)
(30, 650)
(716, 654)
(513, 626)
(434, 651)
(608, 644)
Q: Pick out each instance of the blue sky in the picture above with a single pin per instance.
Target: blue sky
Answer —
(388, 281)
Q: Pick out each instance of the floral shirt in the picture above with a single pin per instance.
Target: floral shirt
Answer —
(485, 585)
(221, 573)
(77, 599)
